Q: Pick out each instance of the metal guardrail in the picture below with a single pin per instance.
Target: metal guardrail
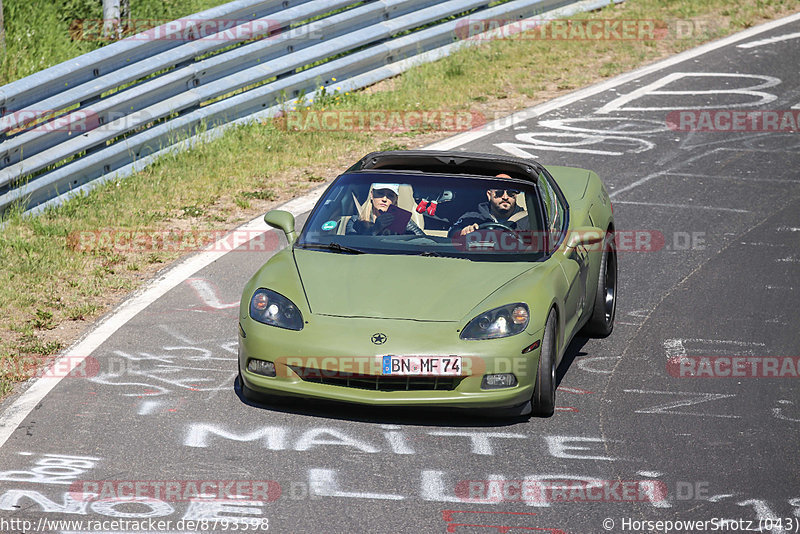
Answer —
(121, 106)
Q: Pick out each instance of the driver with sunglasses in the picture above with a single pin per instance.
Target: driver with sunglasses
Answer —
(500, 206)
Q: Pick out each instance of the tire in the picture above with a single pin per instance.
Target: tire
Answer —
(543, 402)
(601, 322)
(248, 393)
(257, 397)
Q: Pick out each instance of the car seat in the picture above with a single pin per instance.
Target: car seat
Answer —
(405, 200)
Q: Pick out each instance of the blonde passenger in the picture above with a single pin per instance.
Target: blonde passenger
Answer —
(376, 217)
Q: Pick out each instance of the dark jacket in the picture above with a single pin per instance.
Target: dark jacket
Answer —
(484, 215)
(356, 226)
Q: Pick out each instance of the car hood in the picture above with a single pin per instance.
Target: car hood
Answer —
(397, 286)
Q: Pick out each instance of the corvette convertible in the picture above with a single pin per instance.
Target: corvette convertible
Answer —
(425, 278)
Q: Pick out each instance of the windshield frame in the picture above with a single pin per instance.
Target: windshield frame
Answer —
(533, 205)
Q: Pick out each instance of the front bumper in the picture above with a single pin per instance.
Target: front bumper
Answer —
(341, 346)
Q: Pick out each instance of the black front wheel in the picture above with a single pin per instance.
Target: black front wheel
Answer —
(543, 403)
(601, 323)
(249, 394)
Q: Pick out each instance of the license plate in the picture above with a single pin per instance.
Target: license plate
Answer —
(422, 365)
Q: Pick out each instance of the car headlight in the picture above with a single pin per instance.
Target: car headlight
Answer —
(274, 309)
(500, 322)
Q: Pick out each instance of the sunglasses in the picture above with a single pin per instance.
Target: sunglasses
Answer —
(388, 193)
(503, 192)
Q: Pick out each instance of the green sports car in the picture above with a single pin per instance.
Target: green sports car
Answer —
(425, 278)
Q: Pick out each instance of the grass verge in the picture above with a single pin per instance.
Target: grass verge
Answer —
(51, 289)
(43, 33)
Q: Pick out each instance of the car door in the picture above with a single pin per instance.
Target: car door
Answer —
(574, 262)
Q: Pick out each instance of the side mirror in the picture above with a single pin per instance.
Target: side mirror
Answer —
(586, 236)
(282, 220)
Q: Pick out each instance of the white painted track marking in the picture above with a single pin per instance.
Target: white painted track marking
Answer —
(636, 184)
(655, 88)
(75, 354)
(15, 414)
(770, 40)
(541, 109)
(662, 205)
(207, 292)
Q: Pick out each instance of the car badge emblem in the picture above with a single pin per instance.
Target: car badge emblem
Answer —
(379, 338)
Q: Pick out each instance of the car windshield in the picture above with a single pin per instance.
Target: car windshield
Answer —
(470, 217)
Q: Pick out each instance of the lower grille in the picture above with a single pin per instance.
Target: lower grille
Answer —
(376, 382)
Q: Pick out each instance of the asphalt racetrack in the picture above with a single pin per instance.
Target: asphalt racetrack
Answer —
(709, 274)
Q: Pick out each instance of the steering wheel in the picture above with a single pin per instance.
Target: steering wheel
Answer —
(496, 226)
(493, 225)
